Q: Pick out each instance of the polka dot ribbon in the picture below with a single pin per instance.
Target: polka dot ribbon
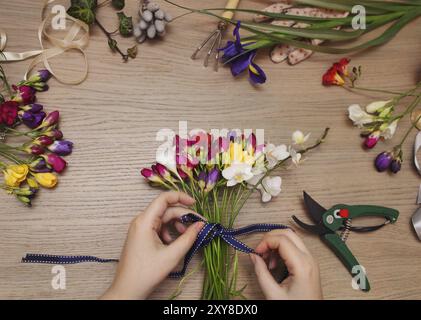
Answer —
(209, 232)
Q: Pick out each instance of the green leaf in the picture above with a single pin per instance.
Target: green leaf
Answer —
(83, 10)
(126, 24)
(112, 43)
(118, 4)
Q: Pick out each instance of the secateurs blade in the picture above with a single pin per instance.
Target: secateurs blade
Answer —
(334, 225)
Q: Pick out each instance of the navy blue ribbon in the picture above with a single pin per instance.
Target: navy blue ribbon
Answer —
(209, 232)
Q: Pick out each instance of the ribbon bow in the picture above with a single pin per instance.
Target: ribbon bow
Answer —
(210, 231)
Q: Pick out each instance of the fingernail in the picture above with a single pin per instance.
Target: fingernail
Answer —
(199, 226)
(252, 257)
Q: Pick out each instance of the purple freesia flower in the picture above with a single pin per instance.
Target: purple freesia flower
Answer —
(61, 147)
(33, 116)
(40, 166)
(241, 59)
(212, 179)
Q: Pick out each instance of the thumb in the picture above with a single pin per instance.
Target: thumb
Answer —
(179, 248)
(266, 281)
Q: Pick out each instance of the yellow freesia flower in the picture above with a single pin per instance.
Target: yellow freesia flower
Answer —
(47, 180)
(15, 174)
(32, 183)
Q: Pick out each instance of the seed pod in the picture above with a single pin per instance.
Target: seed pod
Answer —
(152, 6)
(151, 32)
(159, 26)
(159, 14)
(167, 17)
(137, 31)
(143, 25)
(147, 16)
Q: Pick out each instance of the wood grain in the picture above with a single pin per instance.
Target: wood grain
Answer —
(113, 118)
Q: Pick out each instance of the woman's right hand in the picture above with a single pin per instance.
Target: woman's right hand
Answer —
(303, 281)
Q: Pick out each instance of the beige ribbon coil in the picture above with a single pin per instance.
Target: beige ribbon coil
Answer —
(58, 46)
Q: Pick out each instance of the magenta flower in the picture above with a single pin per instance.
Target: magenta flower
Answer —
(54, 133)
(150, 175)
(162, 171)
(34, 149)
(371, 140)
(61, 147)
(56, 162)
(24, 94)
(50, 120)
(43, 141)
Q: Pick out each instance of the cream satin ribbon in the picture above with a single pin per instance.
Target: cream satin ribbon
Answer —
(59, 46)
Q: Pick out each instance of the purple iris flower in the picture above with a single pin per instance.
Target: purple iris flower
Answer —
(241, 58)
(61, 147)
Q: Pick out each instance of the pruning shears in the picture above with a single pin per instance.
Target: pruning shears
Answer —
(334, 225)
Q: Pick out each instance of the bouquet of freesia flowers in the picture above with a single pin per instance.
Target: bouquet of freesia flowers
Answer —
(31, 160)
(221, 173)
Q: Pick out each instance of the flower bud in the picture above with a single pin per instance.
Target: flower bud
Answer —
(54, 133)
(43, 141)
(372, 139)
(150, 175)
(212, 179)
(61, 147)
(376, 106)
(57, 163)
(383, 161)
(34, 149)
(40, 76)
(46, 180)
(50, 120)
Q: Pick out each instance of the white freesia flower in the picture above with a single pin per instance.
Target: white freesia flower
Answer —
(390, 130)
(376, 106)
(254, 180)
(299, 138)
(295, 156)
(274, 154)
(165, 155)
(359, 116)
(270, 187)
(237, 173)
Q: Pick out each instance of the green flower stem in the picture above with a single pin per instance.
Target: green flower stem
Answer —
(110, 38)
(413, 124)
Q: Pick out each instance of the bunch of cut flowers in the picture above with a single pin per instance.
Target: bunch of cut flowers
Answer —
(220, 173)
(31, 145)
(379, 120)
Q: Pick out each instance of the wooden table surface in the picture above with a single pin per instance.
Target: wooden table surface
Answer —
(113, 118)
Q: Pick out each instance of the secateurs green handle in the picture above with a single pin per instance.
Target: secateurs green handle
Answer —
(338, 218)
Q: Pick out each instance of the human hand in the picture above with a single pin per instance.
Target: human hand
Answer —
(147, 260)
(303, 281)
